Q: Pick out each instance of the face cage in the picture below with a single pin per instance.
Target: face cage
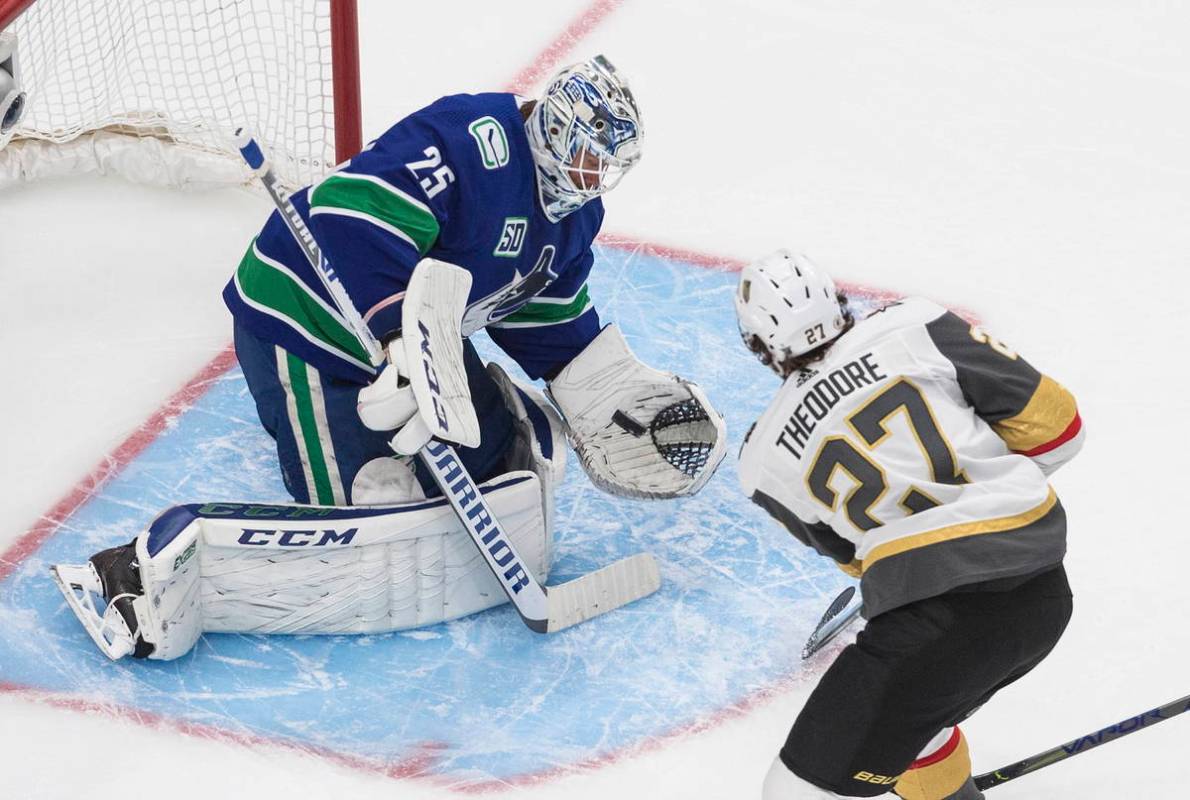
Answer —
(591, 172)
(586, 171)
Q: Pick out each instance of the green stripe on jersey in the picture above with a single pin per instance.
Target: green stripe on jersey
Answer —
(543, 312)
(308, 430)
(379, 202)
(266, 285)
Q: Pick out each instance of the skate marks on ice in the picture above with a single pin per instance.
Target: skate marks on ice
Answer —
(476, 703)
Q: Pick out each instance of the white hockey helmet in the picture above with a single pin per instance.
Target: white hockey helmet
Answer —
(786, 307)
(585, 134)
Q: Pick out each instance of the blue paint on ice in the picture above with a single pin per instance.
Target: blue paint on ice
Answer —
(738, 600)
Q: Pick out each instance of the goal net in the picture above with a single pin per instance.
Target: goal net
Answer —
(152, 89)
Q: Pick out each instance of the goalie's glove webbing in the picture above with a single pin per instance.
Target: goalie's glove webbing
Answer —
(638, 432)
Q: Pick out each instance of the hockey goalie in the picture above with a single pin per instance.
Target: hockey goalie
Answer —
(504, 193)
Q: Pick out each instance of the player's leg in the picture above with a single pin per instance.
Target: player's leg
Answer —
(1022, 625)
(878, 717)
(328, 456)
(319, 446)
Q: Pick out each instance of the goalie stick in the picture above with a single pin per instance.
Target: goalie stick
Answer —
(543, 609)
(1082, 744)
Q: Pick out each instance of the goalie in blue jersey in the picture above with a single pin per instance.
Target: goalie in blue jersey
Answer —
(509, 190)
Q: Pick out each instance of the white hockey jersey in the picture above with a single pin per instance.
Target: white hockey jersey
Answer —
(915, 454)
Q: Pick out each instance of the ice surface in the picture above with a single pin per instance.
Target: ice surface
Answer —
(482, 697)
(1028, 162)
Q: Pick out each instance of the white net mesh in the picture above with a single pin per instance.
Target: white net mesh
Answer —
(152, 89)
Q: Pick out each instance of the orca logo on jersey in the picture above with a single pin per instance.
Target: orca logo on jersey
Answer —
(528, 287)
(427, 360)
(512, 295)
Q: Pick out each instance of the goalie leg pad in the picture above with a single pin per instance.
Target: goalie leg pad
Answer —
(235, 567)
(539, 443)
(638, 432)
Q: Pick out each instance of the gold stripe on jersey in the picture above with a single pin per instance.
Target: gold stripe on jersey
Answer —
(952, 532)
(854, 567)
(1047, 415)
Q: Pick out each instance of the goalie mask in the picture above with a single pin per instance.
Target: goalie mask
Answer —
(786, 307)
(585, 134)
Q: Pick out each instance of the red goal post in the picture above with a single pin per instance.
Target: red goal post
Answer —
(152, 89)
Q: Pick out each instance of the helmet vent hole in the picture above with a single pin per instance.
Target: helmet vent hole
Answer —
(746, 290)
(773, 317)
(807, 292)
(788, 302)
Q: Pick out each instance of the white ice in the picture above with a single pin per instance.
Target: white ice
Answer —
(1025, 161)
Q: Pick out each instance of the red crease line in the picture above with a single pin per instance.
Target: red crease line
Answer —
(112, 464)
(548, 59)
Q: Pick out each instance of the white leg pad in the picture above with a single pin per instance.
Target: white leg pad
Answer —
(540, 443)
(235, 567)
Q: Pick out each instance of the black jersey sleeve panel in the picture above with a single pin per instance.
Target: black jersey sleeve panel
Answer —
(818, 535)
(996, 382)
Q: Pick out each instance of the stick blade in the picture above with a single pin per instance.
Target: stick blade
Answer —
(604, 590)
(839, 614)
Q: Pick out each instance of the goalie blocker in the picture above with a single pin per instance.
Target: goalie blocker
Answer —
(294, 569)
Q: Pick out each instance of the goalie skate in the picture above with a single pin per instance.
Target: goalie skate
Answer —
(113, 575)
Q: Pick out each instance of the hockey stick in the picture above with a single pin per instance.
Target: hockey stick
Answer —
(838, 615)
(543, 609)
(1082, 744)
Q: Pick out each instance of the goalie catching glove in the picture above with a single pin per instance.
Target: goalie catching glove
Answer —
(638, 432)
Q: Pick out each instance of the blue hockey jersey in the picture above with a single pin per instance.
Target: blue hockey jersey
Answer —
(454, 181)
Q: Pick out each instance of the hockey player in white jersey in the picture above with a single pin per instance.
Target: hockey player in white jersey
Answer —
(913, 449)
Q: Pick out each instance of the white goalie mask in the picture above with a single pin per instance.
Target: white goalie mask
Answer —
(786, 306)
(585, 134)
